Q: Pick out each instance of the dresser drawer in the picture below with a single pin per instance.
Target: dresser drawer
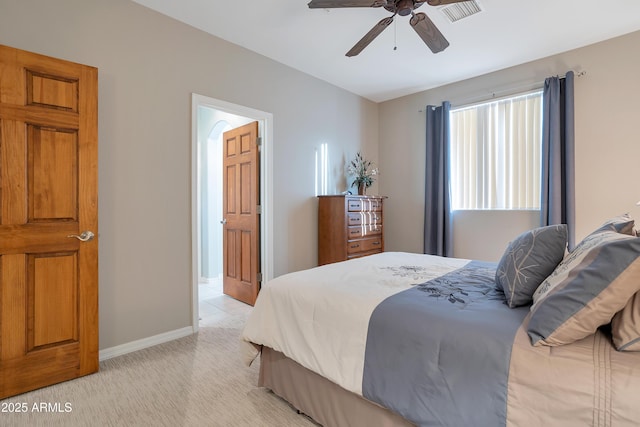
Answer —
(358, 231)
(361, 254)
(364, 205)
(364, 245)
(364, 218)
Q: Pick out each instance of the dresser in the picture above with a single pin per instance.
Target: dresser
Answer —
(349, 227)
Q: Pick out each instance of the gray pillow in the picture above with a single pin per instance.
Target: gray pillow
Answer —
(528, 260)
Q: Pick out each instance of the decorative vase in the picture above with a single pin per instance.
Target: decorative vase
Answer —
(362, 189)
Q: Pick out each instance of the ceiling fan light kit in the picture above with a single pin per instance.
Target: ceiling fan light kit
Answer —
(420, 22)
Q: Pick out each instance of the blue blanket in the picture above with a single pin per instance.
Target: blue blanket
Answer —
(438, 353)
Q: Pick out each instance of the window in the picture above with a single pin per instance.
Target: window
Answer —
(495, 154)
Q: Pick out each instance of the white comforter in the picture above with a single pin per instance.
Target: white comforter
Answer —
(320, 317)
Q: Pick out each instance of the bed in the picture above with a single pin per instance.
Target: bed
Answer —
(412, 339)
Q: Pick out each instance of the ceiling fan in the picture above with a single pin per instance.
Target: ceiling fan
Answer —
(420, 22)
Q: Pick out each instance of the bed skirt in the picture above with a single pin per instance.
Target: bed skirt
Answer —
(319, 398)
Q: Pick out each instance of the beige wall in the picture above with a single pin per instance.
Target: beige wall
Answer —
(473, 229)
(149, 65)
(607, 141)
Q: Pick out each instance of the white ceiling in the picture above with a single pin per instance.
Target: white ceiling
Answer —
(505, 33)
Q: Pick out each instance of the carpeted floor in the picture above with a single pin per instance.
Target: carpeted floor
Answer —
(199, 380)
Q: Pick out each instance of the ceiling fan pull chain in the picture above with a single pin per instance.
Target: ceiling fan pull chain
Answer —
(395, 35)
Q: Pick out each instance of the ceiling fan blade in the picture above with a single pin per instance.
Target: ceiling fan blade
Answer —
(441, 2)
(328, 4)
(368, 38)
(428, 32)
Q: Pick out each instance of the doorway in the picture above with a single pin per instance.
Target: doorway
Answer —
(211, 118)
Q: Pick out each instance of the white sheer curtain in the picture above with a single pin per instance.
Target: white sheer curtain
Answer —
(496, 154)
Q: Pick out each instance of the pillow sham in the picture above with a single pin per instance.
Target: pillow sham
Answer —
(528, 260)
(621, 224)
(625, 326)
(589, 286)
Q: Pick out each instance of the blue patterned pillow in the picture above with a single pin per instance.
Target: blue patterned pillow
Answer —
(528, 260)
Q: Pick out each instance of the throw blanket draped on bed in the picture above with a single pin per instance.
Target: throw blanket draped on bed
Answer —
(438, 353)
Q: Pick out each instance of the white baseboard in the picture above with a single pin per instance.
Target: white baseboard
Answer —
(143, 343)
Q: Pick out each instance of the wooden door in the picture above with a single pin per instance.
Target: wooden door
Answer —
(48, 195)
(241, 199)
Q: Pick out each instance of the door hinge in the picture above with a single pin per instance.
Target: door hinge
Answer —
(259, 278)
(259, 141)
(259, 209)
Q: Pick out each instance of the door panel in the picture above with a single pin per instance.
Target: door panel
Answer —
(231, 192)
(246, 197)
(52, 91)
(48, 194)
(230, 248)
(52, 165)
(246, 261)
(52, 300)
(241, 217)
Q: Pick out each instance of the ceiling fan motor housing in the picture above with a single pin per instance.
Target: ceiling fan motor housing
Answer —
(403, 7)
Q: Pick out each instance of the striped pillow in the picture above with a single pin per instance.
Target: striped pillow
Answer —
(625, 326)
(621, 223)
(589, 286)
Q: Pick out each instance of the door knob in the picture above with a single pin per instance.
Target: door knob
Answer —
(85, 236)
(224, 221)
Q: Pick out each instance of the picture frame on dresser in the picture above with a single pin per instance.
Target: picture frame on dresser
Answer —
(349, 226)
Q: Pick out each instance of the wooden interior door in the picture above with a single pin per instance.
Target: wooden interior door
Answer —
(48, 198)
(241, 213)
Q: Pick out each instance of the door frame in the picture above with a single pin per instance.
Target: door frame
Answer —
(265, 127)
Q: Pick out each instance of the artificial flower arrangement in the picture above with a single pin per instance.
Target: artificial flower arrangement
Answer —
(364, 172)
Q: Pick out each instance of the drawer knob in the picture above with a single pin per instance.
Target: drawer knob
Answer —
(355, 246)
(375, 243)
